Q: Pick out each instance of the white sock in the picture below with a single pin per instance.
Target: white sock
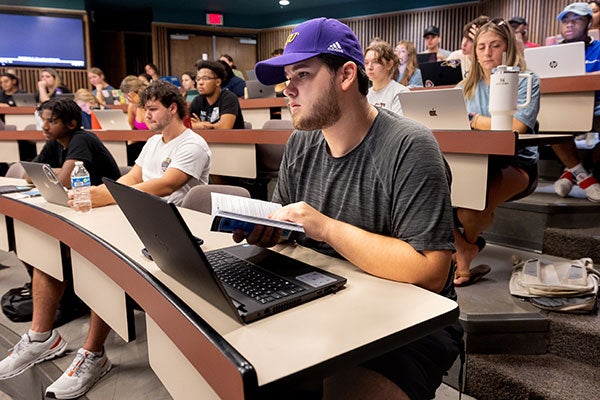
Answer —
(39, 336)
(578, 169)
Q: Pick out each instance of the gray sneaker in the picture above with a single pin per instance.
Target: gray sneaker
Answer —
(27, 353)
(81, 375)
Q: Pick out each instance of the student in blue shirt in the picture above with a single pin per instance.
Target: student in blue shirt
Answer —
(511, 177)
(575, 20)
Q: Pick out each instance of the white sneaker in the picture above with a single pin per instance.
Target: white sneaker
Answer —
(81, 375)
(590, 185)
(565, 183)
(27, 353)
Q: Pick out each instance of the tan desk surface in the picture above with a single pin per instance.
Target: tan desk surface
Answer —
(369, 316)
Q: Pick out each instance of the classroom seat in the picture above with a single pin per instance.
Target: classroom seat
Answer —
(268, 156)
(198, 198)
(16, 170)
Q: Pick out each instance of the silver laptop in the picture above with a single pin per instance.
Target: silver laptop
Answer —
(24, 100)
(561, 60)
(112, 120)
(257, 90)
(436, 108)
(46, 181)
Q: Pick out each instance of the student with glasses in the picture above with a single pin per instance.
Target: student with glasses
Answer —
(575, 21)
(214, 108)
(509, 177)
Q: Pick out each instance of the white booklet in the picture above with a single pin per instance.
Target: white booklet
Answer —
(235, 212)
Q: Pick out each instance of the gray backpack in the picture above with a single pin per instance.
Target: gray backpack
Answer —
(568, 286)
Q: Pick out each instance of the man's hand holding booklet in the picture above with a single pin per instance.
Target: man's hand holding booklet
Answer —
(235, 212)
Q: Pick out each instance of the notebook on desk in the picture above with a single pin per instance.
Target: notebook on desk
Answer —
(46, 181)
(441, 73)
(257, 90)
(112, 120)
(24, 100)
(212, 275)
(566, 59)
(436, 108)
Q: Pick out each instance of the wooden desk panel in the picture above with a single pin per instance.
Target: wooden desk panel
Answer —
(570, 84)
(103, 296)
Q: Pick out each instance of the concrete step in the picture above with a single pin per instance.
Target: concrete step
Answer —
(514, 377)
(524, 223)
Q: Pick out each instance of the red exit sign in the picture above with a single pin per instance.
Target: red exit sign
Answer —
(214, 19)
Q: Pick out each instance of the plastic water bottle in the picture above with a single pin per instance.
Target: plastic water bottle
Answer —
(81, 183)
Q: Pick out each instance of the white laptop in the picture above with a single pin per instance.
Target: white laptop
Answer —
(257, 90)
(436, 108)
(112, 120)
(560, 60)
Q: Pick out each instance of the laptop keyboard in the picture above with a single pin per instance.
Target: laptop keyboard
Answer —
(243, 276)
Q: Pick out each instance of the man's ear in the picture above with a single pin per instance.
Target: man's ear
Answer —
(349, 74)
(71, 126)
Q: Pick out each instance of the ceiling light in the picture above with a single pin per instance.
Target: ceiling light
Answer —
(284, 2)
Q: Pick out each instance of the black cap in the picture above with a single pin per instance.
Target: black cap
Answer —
(517, 21)
(432, 30)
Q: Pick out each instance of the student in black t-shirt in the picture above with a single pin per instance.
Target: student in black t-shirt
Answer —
(214, 108)
(9, 83)
(67, 143)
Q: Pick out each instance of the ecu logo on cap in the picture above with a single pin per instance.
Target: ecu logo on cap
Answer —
(291, 38)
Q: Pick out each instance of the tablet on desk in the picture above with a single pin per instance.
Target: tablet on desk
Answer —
(5, 189)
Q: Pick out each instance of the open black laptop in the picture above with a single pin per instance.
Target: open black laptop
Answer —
(441, 73)
(245, 282)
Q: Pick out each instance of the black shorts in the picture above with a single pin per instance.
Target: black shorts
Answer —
(497, 163)
(418, 367)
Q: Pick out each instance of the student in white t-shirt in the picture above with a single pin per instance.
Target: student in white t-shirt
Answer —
(381, 64)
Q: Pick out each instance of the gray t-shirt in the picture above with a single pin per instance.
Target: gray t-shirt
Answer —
(395, 183)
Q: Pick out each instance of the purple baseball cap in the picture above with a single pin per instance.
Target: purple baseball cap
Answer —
(307, 40)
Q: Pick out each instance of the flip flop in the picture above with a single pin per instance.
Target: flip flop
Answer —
(474, 275)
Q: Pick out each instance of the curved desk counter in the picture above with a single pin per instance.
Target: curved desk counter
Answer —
(199, 352)
(234, 152)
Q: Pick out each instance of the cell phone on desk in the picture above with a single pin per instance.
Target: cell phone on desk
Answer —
(147, 254)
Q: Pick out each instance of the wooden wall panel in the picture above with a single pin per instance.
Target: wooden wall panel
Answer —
(407, 25)
(72, 78)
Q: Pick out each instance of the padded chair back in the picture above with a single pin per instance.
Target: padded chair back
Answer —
(268, 156)
(123, 169)
(30, 127)
(247, 125)
(16, 170)
(198, 198)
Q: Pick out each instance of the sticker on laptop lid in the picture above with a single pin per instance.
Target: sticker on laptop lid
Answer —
(315, 279)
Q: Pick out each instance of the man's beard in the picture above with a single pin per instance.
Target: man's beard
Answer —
(324, 112)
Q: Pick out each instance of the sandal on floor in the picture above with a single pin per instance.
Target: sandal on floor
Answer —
(474, 275)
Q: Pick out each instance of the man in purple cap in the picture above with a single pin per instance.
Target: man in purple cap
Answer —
(575, 21)
(368, 186)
